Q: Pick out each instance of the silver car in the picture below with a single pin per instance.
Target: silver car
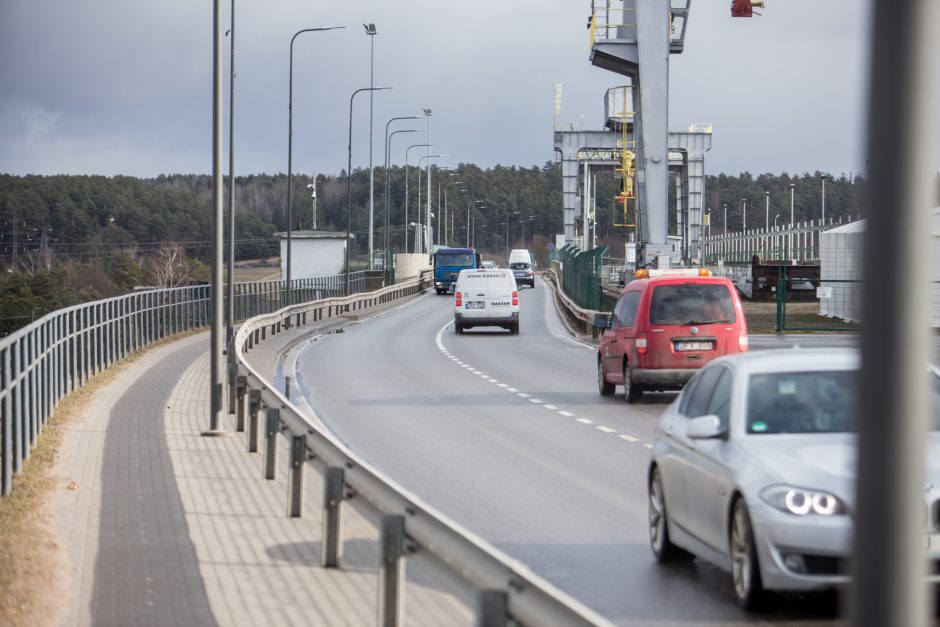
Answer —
(753, 469)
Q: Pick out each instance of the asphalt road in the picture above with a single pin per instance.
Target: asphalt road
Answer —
(508, 436)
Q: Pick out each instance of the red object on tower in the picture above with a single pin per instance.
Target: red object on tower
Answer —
(742, 8)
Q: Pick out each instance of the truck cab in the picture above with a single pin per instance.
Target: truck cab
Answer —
(448, 262)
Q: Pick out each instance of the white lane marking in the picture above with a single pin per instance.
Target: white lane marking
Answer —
(551, 407)
(648, 445)
(523, 395)
(536, 401)
(476, 372)
(466, 366)
(504, 385)
(606, 429)
(566, 414)
(511, 390)
(585, 421)
(494, 381)
(629, 438)
(485, 377)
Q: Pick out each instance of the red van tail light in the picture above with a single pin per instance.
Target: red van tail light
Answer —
(743, 343)
(515, 299)
(641, 343)
(459, 302)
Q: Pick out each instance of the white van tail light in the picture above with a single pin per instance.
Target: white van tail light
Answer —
(459, 297)
(742, 343)
(641, 343)
(515, 299)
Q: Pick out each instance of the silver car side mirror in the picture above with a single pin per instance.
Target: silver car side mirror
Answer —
(705, 428)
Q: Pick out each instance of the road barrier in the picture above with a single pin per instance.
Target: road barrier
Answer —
(504, 589)
(53, 356)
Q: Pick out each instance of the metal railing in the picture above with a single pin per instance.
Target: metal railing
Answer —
(51, 357)
(580, 274)
(504, 588)
(799, 242)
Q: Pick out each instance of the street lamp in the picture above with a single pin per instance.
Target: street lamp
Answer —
(371, 32)
(445, 205)
(744, 215)
(290, 135)
(767, 218)
(349, 177)
(792, 186)
(725, 219)
(823, 177)
(408, 150)
(426, 229)
(388, 139)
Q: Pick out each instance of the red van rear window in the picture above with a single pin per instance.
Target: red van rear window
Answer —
(691, 303)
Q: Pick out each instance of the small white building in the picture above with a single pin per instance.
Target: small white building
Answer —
(841, 259)
(314, 253)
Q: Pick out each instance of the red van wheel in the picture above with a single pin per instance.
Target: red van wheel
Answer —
(632, 391)
(605, 388)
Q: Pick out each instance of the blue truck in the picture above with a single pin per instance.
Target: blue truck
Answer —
(448, 262)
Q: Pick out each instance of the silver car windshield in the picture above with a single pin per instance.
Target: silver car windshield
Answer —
(812, 402)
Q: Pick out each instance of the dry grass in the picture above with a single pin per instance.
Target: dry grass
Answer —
(31, 575)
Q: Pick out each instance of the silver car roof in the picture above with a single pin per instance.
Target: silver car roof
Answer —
(794, 360)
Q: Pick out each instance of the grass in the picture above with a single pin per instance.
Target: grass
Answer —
(31, 575)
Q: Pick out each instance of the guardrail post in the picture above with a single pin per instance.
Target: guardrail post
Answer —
(272, 424)
(241, 404)
(491, 608)
(254, 408)
(392, 571)
(333, 482)
(295, 479)
(232, 376)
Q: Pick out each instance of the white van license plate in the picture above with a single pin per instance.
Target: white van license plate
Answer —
(476, 304)
(693, 346)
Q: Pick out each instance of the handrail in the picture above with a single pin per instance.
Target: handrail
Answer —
(502, 584)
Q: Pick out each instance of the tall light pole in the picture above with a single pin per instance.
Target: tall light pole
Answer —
(230, 284)
(217, 327)
(725, 219)
(290, 138)
(388, 185)
(370, 31)
(440, 207)
(823, 177)
(427, 112)
(408, 150)
(349, 178)
(743, 215)
(426, 228)
(767, 219)
(445, 204)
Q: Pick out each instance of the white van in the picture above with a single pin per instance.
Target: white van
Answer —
(485, 297)
(522, 266)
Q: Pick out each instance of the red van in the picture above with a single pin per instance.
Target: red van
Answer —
(665, 326)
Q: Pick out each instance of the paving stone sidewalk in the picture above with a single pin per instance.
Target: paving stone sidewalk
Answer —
(172, 528)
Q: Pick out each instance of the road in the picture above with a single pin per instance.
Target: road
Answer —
(508, 436)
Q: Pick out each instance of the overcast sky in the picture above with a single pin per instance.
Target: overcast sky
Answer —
(124, 86)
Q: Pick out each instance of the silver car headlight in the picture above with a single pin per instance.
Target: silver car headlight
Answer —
(802, 502)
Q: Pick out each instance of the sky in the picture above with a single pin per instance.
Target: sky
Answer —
(125, 86)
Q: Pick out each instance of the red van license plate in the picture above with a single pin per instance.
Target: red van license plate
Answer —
(694, 346)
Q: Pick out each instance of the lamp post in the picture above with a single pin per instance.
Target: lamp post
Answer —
(349, 178)
(290, 136)
(724, 222)
(767, 209)
(230, 284)
(371, 32)
(791, 235)
(427, 113)
(388, 139)
(408, 150)
(426, 228)
(744, 215)
(445, 205)
(823, 177)
(440, 208)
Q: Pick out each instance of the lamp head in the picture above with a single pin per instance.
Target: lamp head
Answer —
(370, 29)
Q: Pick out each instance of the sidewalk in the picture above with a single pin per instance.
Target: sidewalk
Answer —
(172, 528)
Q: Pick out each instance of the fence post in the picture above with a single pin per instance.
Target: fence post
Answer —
(272, 424)
(392, 571)
(295, 479)
(781, 299)
(254, 408)
(333, 482)
(491, 608)
(241, 405)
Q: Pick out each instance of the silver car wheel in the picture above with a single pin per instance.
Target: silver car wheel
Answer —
(657, 514)
(745, 570)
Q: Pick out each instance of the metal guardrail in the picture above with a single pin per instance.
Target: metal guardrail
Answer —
(505, 589)
(584, 318)
(53, 356)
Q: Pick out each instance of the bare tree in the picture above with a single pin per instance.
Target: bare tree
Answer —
(169, 267)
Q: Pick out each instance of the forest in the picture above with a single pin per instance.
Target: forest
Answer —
(67, 239)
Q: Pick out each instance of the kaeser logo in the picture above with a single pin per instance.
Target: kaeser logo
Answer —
(693, 330)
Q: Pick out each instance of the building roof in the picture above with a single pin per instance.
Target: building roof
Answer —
(306, 234)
